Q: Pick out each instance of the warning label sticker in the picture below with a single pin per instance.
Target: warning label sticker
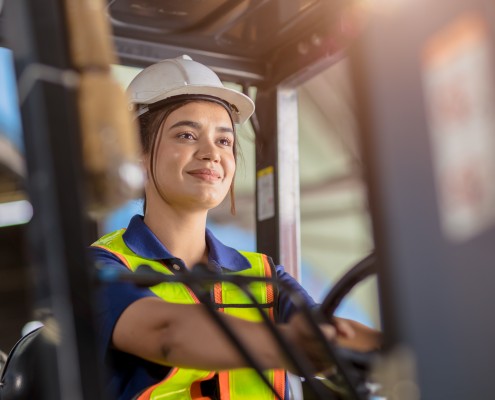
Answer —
(266, 193)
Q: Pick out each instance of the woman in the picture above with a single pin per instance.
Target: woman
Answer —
(168, 349)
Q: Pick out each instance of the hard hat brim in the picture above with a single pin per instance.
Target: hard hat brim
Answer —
(242, 103)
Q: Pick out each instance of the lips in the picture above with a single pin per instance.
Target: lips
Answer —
(205, 174)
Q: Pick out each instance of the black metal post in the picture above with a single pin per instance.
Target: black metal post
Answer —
(424, 78)
(36, 32)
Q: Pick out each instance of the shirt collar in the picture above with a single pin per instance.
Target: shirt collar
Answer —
(142, 241)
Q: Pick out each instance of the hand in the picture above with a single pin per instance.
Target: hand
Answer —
(356, 336)
(344, 332)
(305, 339)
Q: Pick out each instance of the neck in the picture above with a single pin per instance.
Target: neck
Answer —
(182, 233)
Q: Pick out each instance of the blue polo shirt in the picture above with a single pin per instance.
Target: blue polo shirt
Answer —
(127, 374)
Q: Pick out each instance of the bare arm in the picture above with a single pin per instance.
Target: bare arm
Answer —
(185, 336)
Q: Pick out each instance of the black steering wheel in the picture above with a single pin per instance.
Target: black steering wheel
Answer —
(359, 272)
(348, 380)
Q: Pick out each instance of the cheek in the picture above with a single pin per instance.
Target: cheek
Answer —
(230, 166)
(173, 154)
(169, 160)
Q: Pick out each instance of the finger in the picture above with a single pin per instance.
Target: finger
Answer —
(329, 331)
(344, 328)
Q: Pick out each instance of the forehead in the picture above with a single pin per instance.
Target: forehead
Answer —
(201, 111)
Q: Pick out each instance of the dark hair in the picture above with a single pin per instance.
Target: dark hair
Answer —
(149, 128)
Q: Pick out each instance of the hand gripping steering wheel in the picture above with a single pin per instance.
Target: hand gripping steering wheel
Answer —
(348, 379)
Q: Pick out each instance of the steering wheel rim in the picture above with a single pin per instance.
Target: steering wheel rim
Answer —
(351, 363)
(359, 272)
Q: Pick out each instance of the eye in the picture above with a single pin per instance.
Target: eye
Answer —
(228, 142)
(186, 136)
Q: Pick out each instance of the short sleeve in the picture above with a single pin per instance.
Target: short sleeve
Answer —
(112, 298)
(288, 289)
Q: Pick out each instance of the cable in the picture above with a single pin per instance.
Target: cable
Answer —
(312, 318)
(297, 359)
(145, 276)
(204, 297)
(294, 357)
(341, 366)
(200, 275)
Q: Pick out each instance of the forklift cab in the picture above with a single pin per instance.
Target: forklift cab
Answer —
(240, 42)
(432, 232)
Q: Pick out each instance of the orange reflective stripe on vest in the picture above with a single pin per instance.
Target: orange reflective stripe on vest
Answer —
(183, 383)
(173, 388)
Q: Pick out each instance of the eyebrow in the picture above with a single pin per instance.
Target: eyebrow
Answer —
(197, 125)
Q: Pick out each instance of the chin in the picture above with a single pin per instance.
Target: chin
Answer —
(208, 200)
(212, 204)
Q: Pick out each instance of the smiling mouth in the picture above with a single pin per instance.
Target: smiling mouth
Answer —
(205, 174)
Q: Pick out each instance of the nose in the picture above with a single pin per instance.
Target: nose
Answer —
(211, 156)
(208, 152)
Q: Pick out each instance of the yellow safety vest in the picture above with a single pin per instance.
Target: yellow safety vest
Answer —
(183, 383)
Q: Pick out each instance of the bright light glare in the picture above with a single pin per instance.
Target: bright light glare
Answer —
(15, 213)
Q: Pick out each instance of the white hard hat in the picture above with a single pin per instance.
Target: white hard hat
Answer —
(183, 76)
